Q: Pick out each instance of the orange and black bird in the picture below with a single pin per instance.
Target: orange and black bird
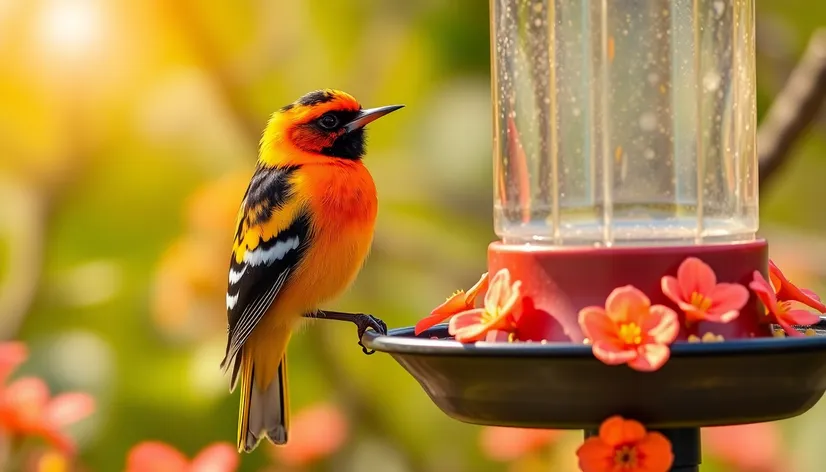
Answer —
(304, 229)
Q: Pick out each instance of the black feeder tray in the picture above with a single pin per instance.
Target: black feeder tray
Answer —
(563, 386)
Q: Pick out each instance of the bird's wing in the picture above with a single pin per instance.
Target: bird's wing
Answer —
(273, 231)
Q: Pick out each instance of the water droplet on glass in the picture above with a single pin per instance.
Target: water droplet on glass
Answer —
(719, 8)
(648, 154)
(653, 78)
(576, 111)
(711, 81)
(648, 121)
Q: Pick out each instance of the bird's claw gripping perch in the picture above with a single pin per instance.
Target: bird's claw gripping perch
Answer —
(362, 322)
(369, 321)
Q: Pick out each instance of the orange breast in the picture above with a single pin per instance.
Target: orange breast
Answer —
(343, 202)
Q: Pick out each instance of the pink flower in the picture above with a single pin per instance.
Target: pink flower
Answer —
(508, 444)
(12, 354)
(696, 291)
(496, 319)
(456, 303)
(630, 330)
(153, 456)
(787, 291)
(781, 312)
(754, 447)
(317, 432)
(27, 409)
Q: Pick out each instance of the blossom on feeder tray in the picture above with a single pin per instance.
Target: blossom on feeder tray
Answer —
(781, 311)
(625, 445)
(707, 338)
(154, 456)
(456, 303)
(787, 291)
(696, 292)
(630, 330)
(496, 318)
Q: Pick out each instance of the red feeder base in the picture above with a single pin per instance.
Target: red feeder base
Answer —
(561, 281)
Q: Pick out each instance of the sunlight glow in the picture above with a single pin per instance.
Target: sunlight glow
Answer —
(70, 27)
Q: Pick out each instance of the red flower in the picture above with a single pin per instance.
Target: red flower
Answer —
(316, 432)
(696, 291)
(495, 319)
(630, 330)
(26, 409)
(456, 303)
(787, 291)
(625, 446)
(153, 456)
(507, 444)
(781, 312)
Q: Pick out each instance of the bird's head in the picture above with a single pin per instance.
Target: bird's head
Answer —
(328, 123)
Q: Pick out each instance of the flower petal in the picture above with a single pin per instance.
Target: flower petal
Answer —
(671, 289)
(790, 331)
(802, 317)
(695, 275)
(68, 408)
(153, 456)
(662, 325)
(728, 297)
(514, 297)
(499, 290)
(764, 291)
(595, 456)
(595, 324)
(650, 357)
(428, 322)
(657, 451)
(612, 352)
(626, 303)
(480, 286)
(616, 431)
(317, 432)
(219, 457)
(469, 326)
(789, 291)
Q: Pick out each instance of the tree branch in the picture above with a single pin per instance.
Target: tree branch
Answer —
(794, 109)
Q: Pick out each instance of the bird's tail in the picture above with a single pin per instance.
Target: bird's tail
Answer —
(264, 412)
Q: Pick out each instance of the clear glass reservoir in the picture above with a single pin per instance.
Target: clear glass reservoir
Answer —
(624, 122)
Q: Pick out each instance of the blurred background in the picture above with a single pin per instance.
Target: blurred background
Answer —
(128, 133)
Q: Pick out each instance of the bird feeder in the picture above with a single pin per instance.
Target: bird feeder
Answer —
(624, 145)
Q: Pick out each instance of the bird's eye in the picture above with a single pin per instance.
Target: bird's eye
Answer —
(328, 121)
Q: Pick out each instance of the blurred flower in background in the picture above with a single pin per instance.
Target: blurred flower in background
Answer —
(755, 447)
(154, 456)
(316, 432)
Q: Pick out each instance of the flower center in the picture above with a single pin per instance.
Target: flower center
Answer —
(625, 457)
(630, 333)
(783, 308)
(700, 301)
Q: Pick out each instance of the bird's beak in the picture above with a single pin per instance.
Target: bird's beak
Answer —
(368, 116)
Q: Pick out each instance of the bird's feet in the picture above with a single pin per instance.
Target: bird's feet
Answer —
(361, 320)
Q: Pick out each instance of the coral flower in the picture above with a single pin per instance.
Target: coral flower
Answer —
(317, 432)
(153, 456)
(787, 291)
(630, 330)
(625, 445)
(696, 291)
(456, 303)
(781, 312)
(27, 409)
(12, 354)
(498, 314)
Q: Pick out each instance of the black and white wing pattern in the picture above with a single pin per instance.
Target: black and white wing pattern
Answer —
(273, 231)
